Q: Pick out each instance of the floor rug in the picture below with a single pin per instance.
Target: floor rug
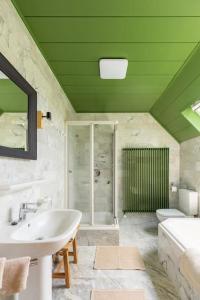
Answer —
(118, 258)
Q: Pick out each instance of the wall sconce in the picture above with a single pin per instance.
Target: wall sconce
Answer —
(40, 118)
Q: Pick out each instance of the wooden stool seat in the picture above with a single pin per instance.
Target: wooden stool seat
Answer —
(65, 253)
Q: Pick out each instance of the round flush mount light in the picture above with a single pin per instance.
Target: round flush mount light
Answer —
(113, 68)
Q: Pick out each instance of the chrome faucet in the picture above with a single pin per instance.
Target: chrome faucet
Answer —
(27, 207)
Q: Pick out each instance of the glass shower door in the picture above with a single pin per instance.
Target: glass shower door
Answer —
(103, 173)
(79, 170)
(91, 171)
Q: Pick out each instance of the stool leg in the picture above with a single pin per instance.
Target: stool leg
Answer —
(67, 268)
(75, 254)
(55, 258)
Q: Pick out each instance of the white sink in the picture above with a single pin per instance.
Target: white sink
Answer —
(43, 235)
(40, 237)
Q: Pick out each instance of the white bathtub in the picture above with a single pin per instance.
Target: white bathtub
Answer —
(185, 232)
(174, 237)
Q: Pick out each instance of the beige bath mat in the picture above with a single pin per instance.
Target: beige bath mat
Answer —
(117, 295)
(118, 258)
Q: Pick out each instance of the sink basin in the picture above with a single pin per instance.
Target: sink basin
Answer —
(40, 237)
(43, 235)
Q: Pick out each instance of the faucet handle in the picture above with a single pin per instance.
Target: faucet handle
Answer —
(25, 205)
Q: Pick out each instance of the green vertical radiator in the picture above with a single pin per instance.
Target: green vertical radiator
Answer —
(146, 179)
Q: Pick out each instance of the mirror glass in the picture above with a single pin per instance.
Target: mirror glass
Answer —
(13, 115)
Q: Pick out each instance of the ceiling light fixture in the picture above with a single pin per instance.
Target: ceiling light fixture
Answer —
(113, 68)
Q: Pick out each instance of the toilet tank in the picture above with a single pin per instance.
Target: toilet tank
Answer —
(188, 202)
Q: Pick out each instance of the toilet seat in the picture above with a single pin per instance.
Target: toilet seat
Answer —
(166, 213)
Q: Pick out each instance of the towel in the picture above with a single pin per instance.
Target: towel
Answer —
(15, 276)
(2, 264)
(190, 267)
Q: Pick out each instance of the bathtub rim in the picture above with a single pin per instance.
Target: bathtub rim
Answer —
(171, 236)
(174, 239)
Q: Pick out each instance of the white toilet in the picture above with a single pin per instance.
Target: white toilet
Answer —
(188, 205)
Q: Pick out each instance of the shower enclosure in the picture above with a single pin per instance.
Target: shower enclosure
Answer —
(91, 171)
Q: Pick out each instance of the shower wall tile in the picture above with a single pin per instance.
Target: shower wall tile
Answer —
(190, 165)
(134, 130)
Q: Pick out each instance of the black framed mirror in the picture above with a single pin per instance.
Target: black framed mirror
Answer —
(18, 114)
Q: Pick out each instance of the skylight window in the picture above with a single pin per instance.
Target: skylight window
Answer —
(196, 107)
(192, 115)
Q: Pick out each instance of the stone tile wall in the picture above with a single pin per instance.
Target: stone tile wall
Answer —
(17, 45)
(190, 164)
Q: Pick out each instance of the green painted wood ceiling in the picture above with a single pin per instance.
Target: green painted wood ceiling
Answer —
(157, 37)
(183, 91)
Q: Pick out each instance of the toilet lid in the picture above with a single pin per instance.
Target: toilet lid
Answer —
(170, 212)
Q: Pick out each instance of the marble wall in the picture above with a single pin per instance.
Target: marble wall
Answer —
(190, 165)
(19, 48)
(140, 130)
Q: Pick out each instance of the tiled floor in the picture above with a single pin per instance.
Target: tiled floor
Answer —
(138, 230)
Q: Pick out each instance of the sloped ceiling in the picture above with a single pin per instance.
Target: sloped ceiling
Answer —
(156, 37)
(183, 91)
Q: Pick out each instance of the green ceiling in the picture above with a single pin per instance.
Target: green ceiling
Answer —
(183, 91)
(156, 37)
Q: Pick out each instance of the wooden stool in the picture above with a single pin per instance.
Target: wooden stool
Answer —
(65, 253)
